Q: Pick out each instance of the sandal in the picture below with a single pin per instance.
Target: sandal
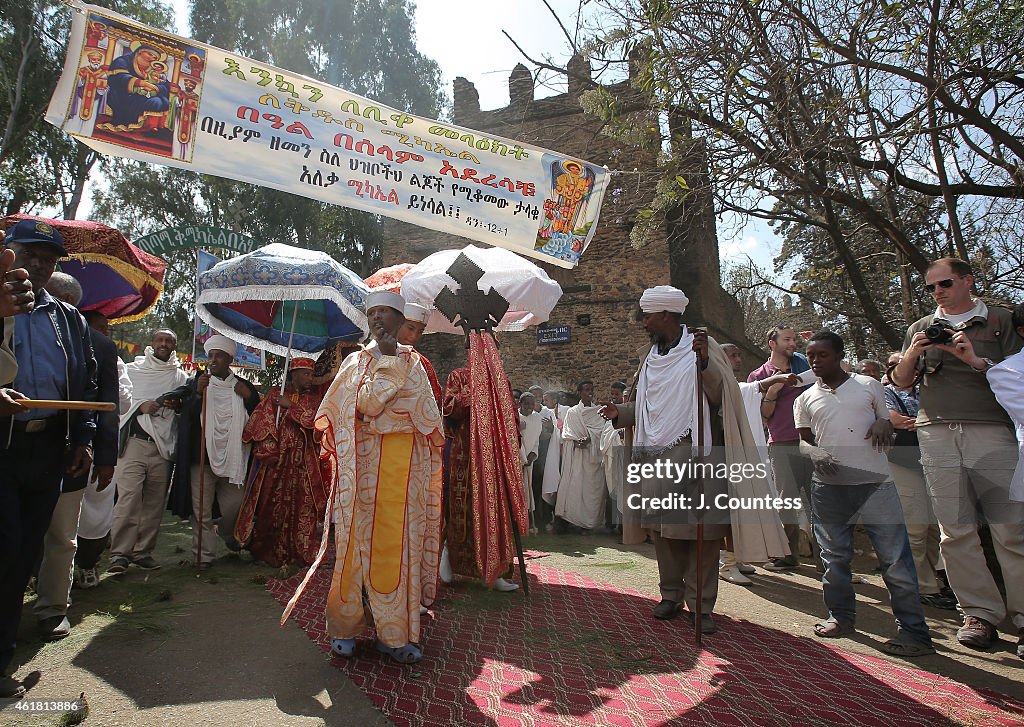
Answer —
(343, 647)
(906, 649)
(833, 629)
(408, 654)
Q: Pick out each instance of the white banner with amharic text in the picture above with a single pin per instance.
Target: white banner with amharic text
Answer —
(133, 91)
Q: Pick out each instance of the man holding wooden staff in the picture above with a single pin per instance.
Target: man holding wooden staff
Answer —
(672, 407)
(39, 447)
(212, 460)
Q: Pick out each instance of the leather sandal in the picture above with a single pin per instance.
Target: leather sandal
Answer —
(408, 654)
(832, 628)
(906, 649)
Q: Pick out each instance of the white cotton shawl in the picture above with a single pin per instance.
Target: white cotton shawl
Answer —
(530, 427)
(150, 377)
(225, 419)
(666, 409)
(553, 461)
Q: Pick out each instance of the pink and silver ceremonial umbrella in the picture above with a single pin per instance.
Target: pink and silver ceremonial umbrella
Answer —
(389, 278)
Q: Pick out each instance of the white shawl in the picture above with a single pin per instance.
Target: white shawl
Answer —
(150, 377)
(553, 461)
(530, 427)
(666, 410)
(226, 417)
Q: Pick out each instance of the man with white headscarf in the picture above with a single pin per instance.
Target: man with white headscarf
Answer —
(582, 489)
(230, 401)
(660, 418)
(149, 434)
(381, 437)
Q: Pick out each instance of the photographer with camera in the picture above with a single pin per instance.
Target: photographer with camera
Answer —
(968, 447)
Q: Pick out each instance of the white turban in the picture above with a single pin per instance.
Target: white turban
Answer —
(386, 298)
(663, 298)
(416, 312)
(221, 343)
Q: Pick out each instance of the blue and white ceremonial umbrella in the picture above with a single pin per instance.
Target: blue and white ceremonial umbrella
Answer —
(283, 298)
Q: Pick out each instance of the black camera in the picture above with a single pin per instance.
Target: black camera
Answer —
(939, 333)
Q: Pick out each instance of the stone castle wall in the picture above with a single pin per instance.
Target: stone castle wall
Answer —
(601, 294)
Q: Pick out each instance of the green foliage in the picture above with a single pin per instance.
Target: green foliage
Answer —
(364, 47)
(806, 106)
(40, 166)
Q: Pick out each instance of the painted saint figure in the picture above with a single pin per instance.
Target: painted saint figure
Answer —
(133, 95)
(92, 80)
(571, 188)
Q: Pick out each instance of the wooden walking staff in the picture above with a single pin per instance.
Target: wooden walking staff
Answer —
(202, 481)
(67, 405)
(698, 608)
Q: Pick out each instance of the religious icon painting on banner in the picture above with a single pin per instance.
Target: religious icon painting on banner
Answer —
(564, 225)
(137, 89)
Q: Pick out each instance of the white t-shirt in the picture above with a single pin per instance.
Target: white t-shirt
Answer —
(839, 421)
(1007, 381)
(979, 309)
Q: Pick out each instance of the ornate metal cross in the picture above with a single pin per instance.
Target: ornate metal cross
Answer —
(470, 308)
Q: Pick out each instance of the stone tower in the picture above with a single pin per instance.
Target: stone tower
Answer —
(599, 296)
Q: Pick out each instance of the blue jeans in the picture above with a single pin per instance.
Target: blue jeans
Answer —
(836, 508)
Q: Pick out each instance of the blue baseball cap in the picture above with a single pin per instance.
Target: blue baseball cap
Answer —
(37, 232)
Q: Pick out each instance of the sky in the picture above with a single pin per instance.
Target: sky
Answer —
(465, 38)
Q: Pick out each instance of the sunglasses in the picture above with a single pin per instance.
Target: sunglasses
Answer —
(947, 283)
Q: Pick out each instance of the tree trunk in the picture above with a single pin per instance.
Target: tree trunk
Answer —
(868, 305)
(85, 159)
(18, 200)
(906, 298)
(948, 198)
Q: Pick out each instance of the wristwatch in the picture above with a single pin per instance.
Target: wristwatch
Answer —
(989, 363)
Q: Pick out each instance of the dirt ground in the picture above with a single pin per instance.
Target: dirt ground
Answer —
(168, 648)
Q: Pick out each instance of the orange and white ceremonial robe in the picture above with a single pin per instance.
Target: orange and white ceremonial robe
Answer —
(382, 442)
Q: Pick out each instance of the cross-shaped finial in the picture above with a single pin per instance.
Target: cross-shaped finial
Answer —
(470, 308)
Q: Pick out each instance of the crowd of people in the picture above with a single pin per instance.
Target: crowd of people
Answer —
(415, 482)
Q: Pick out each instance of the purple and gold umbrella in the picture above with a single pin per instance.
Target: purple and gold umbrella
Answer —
(118, 279)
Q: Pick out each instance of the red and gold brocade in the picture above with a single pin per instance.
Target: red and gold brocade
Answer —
(435, 383)
(484, 471)
(286, 498)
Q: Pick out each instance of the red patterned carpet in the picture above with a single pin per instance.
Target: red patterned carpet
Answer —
(582, 652)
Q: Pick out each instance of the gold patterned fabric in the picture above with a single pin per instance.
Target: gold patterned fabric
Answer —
(381, 441)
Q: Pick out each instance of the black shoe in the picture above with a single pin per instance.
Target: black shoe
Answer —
(707, 623)
(779, 564)
(118, 565)
(146, 562)
(10, 688)
(937, 600)
(54, 628)
(666, 610)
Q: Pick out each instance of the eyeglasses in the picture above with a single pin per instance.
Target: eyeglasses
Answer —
(947, 283)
